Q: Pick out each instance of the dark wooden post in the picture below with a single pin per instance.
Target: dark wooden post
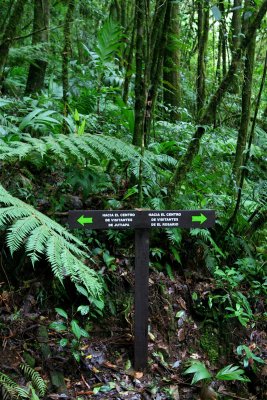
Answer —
(141, 298)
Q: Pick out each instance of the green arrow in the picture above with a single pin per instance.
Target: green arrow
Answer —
(199, 218)
(83, 220)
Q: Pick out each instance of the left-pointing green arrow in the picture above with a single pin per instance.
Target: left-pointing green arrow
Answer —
(84, 220)
(199, 218)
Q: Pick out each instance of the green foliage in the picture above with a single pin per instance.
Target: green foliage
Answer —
(37, 381)
(35, 390)
(90, 152)
(72, 328)
(199, 370)
(228, 373)
(42, 236)
(248, 357)
(108, 46)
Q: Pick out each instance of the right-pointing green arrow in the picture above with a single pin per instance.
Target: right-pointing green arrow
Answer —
(199, 218)
(83, 220)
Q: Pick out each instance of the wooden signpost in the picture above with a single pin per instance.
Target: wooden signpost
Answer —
(141, 222)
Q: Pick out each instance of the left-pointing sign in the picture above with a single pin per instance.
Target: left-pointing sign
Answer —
(85, 220)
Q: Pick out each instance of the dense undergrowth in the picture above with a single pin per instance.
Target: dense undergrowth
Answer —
(207, 287)
(225, 272)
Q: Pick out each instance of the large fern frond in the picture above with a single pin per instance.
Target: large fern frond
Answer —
(43, 236)
(90, 148)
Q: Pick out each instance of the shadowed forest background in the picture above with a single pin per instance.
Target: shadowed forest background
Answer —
(117, 105)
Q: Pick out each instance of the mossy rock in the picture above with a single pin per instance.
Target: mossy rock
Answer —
(210, 342)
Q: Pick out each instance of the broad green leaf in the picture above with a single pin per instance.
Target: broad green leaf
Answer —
(84, 310)
(76, 355)
(199, 370)
(58, 326)
(76, 329)
(231, 373)
(63, 342)
(62, 313)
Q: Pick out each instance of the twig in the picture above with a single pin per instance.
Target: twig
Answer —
(233, 395)
(33, 33)
(86, 384)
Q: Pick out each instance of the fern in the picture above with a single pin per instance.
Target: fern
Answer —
(43, 236)
(205, 235)
(90, 148)
(109, 42)
(36, 379)
(10, 389)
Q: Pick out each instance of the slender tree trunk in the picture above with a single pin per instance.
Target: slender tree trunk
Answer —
(246, 108)
(36, 76)
(140, 79)
(218, 68)
(66, 54)
(235, 39)
(9, 34)
(203, 34)
(171, 63)
(223, 34)
(251, 136)
(128, 68)
(157, 65)
(236, 26)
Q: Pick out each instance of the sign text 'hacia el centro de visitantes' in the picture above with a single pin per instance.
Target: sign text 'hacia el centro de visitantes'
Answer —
(141, 219)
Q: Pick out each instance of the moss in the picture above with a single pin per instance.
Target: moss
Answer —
(210, 343)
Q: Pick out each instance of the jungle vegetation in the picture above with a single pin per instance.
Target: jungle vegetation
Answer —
(124, 104)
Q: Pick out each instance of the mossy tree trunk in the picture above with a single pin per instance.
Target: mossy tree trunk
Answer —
(246, 106)
(161, 25)
(66, 54)
(36, 76)
(9, 34)
(203, 35)
(171, 64)
(235, 39)
(141, 78)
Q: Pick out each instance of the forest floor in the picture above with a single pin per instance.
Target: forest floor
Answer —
(105, 367)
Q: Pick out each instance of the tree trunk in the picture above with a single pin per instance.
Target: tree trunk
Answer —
(235, 39)
(140, 79)
(223, 33)
(9, 34)
(246, 108)
(36, 76)
(203, 34)
(171, 74)
(128, 68)
(156, 67)
(236, 26)
(66, 54)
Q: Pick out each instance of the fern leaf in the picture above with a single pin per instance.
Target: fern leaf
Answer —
(41, 235)
(19, 231)
(36, 242)
(36, 379)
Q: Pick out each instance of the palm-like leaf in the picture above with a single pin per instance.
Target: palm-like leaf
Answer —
(199, 370)
(231, 373)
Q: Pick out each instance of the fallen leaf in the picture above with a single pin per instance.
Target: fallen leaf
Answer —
(182, 303)
(181, 335)
(109, 365)
(138, 375)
